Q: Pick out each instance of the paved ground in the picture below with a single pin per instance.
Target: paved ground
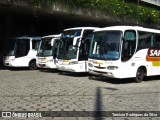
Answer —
(25, 90)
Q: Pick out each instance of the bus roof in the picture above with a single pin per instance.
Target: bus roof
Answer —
(52, 36)
(28, 37)
(123, 28)
(93, 28)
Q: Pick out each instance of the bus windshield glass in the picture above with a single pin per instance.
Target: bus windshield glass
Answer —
(71, 33)
(45, 48)
(66, 48)
(106, 45)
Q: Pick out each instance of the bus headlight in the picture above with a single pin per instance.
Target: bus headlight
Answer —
(73, 62)
(112, 67)
(90, 65)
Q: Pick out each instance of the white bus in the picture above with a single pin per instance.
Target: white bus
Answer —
(72, 53)
(47, 52)
(22, 52)
(120, 52)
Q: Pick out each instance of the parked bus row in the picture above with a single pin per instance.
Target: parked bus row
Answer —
(115, 52)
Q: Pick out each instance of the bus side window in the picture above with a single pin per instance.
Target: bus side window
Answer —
(84, 49)
(35, 44)
(22, 48)
(85, 45)
(145, 40)
(54, 48)
(157, 41)
(87, 34)
(129, 45)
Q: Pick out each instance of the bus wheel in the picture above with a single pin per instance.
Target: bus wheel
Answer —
(139, 75)
(32, 65)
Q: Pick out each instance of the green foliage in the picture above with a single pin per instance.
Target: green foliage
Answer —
(117, 9)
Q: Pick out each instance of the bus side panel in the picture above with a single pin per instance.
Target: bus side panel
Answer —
(151, 70)
(127, 70)
(130, 67)
(17, 62)
(32, 54)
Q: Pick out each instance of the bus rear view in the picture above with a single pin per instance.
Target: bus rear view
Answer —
(22, 52)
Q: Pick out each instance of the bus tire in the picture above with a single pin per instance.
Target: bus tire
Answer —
(140, 75)
(32, 65)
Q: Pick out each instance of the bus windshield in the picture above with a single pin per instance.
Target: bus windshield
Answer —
(45, 48)
(18, 47)
(67, 50)
(105, 45)
(71, 33)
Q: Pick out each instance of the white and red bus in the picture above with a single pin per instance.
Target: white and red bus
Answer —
(122, 52)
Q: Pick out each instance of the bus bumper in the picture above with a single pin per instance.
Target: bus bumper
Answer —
(50, 65)
(106, 73)
(72, 68)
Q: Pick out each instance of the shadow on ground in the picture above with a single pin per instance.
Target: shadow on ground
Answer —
(122, 81)
(73, 74)
(152, 78)
(98, 105)
(48, 70)
(2, 68)
(17, 69)
(111, 80)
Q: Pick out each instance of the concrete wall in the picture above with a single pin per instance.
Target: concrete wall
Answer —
(58, 8)
(18, 18)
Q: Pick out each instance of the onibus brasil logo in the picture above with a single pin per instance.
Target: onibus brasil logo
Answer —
(153, 55)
